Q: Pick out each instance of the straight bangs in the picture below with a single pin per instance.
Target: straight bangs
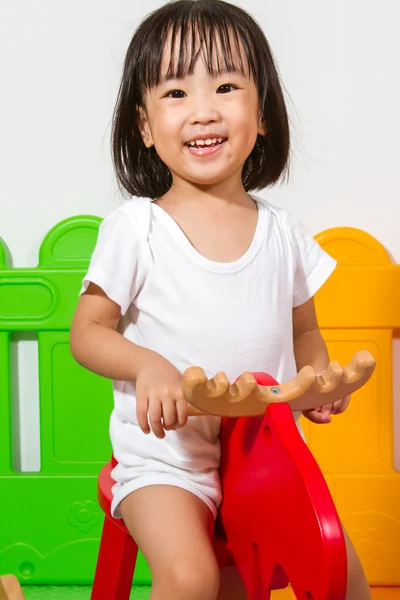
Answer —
(209, 35)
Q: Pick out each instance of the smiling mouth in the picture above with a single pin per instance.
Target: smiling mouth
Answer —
(203, 144)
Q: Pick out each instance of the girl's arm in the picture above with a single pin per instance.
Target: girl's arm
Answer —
(95, 343)
(310, 349)
(308, 343)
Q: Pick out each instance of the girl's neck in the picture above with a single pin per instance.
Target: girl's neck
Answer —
(222, 194)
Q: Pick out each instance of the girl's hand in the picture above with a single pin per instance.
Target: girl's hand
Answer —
(160, 404)
(322, 414)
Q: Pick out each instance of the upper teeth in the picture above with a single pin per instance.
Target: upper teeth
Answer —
(206, 142)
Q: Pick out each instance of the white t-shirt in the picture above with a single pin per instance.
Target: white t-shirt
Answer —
(230, 317)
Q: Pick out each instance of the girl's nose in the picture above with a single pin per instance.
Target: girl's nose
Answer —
(204, 112)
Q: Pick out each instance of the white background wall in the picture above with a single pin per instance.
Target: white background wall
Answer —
(60, 64)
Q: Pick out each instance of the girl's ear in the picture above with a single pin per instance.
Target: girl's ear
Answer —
(144, 128)
(262, 126)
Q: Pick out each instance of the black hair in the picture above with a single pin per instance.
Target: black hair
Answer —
(139, 170)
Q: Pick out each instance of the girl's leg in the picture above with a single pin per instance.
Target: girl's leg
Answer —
(357, 584)
(174, 529)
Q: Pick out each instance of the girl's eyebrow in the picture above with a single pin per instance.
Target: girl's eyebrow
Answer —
(226, 71)
(221, 72)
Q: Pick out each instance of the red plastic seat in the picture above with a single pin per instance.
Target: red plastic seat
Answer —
(277, 521)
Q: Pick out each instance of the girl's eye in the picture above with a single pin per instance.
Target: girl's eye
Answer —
(227, 87)
(175, 94)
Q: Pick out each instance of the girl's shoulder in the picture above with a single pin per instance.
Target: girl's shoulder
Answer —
(134, 208)
(281, 218)
(132, 214)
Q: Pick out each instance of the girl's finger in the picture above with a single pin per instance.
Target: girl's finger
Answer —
(142, 406)
(315, 416)
(181, 412)
(155, 414)
(328, 409)
(169, 417)
(336, 407)
(342, 404)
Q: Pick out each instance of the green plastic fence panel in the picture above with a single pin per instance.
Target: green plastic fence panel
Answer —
(50, 521)
(5, 412)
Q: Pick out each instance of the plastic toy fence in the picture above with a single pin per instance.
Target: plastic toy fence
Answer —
(50, 521)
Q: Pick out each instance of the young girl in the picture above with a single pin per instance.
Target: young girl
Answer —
(194, 270)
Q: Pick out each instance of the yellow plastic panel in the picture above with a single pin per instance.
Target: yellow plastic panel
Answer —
(370, 510)
(360, 440)
(364, 291)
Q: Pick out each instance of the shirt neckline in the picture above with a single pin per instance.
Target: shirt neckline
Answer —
(165, 219)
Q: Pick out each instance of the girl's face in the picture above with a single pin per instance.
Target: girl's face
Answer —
(203, 127)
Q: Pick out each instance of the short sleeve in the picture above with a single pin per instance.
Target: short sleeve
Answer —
(114, 262)
(313, 266)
